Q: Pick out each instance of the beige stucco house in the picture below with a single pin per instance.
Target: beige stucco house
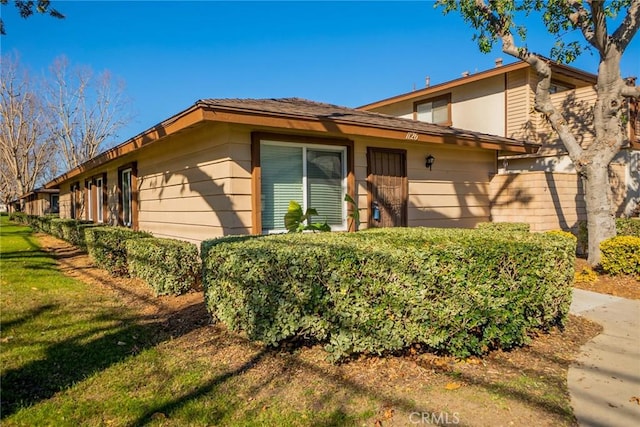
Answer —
(231, 166)
(541, 188)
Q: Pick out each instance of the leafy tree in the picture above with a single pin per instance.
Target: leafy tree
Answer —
(495, 22)
(26, 8)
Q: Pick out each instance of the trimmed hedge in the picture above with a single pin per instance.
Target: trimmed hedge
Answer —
(505, 226)
(628, 227)
(456, 291)
(624, 227)
(621, 255)
(168, 266)
(19, 217)
(106, 246)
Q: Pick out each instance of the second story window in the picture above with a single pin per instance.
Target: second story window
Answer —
(434, 110)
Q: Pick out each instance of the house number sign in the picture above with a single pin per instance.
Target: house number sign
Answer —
(412, 136)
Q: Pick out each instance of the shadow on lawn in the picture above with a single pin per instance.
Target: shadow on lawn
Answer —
(114, 337)
(69, 361)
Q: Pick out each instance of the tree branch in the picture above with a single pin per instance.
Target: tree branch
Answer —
(599, 18)
(580, 18)
(629, 26)
(630, 91)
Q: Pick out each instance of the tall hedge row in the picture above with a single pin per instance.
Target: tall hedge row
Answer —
(169, 266)
(458, 291)
(107, 247)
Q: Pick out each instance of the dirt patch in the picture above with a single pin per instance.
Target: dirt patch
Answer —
(526, 386)
(133, 293)
(620, 286)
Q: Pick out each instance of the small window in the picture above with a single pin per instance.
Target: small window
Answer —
(434, 110)
(55, 203)
(127, 197)
(557, 87)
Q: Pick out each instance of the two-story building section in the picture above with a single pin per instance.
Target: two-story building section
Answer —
(542, 188)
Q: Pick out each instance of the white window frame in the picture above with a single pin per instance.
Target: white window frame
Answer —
(305, 191)
(99, 200)
(129, 212)
(420, 116)
(89, 200)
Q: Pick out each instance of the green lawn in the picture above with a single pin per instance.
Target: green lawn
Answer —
(75, 354)
(71, 355)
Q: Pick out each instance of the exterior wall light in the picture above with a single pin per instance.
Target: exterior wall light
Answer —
(430, 161)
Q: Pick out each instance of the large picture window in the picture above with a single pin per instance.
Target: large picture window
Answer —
(313, 175)
(434, 110)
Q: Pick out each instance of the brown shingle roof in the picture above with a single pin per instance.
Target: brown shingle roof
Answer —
(306, 109)
(296, 110)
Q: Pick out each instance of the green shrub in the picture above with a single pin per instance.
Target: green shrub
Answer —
(624, 227)
(69, 230)
(621, 255)
(628, 227)
(78, 235)
(505, 226)
(168, 266)
(456, 291)
(19, 217)
(44, 223)
(55, 227)
(106, 247)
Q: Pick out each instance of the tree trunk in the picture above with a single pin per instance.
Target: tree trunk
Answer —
(601, 222)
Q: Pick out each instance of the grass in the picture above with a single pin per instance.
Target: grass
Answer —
(104, 352)
(74, 355)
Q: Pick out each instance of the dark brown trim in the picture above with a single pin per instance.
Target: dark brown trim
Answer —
(293, 122)
(446, 96)
(76, 194)
(256, 185)
(256, 173)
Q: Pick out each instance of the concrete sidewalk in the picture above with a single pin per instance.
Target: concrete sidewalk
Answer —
(606, 374)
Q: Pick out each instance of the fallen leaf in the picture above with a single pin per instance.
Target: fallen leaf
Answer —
(388, 413)
(452, 386)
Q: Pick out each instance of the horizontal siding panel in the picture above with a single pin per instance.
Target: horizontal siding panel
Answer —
(188, 232)
(444, 188)
(224, 219)
(434, 202)
(220, 202)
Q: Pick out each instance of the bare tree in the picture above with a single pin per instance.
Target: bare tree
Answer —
(86, 109)
(494, 21)
(26, 149)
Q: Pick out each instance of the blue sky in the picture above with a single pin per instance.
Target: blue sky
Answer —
(171, 53)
